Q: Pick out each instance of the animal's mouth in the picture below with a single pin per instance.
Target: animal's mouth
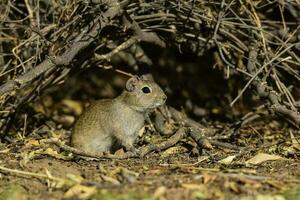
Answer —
(160, 103)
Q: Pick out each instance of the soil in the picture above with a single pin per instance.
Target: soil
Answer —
(56, 57)
(173, 174)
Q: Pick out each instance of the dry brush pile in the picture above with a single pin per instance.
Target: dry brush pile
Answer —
(41, 42)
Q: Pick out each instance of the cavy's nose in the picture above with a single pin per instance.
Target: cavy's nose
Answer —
(164, 98)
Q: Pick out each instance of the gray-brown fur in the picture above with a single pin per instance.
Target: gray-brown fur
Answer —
(109, 124)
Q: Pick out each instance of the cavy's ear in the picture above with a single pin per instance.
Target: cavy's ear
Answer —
(131, 84)
(147, 77)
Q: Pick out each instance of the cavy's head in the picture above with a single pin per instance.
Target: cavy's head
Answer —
(142, 93)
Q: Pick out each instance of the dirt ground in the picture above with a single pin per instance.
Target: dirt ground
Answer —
(227, 66)
(172, 174)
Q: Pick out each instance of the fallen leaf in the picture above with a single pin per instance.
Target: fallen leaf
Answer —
(262, 157)
(4, 151)
(13, 192)
(228, 160)
(191, 186)
(199, 195)
(206, 178)
(141, 131)
(269, 197)
(292, 194)
(55, 154)
(127, 175)
(73, 106)
(173, 150)
(67, 182)
(28, 156)
(79, 192)
(120, 152)
(65, 120)
(233, 186)
(31, 143)
(160, 193)
(110, 180)
(295, 142)
(74, 178)
(202, 158)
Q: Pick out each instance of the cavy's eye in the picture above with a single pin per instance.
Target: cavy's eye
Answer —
(146, 90)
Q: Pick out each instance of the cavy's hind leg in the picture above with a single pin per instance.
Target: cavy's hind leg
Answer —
(125, 141)
(100, 144)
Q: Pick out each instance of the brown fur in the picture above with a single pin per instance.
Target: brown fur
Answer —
(109, 124)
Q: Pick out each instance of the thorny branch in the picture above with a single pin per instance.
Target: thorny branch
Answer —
(143, 151)
(79, 43)
(40, 49)
(187, 127)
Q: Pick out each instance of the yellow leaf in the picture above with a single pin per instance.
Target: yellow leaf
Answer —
(73, 106)
(160, 192)
(75, 178)
(51, 152)
(55, 154)
(13, 191)
(191, 186)
(228, 160)
(80, 191)
(262, 157)
(32, 142)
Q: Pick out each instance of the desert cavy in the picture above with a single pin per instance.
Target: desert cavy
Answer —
(108, 124)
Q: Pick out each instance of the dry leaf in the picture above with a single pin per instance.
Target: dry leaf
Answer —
(295, 142)
(262, 157)
(174, 150)
(13, 191)
(80, 192)
(28, 156)
(141, 131)
(55, 154)
(69, 181)
(39, 108)
(160, 192)
(191, 186)
(4, 151)
(65, 120)
(31, 143)
(208, 178)
(128, 175)
(233, 186)
(110, 179)
(74, 178)
(228, 160)
(120, 152)
(74, 106)
(269, 197)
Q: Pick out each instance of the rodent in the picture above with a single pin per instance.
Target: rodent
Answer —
(108, 124)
